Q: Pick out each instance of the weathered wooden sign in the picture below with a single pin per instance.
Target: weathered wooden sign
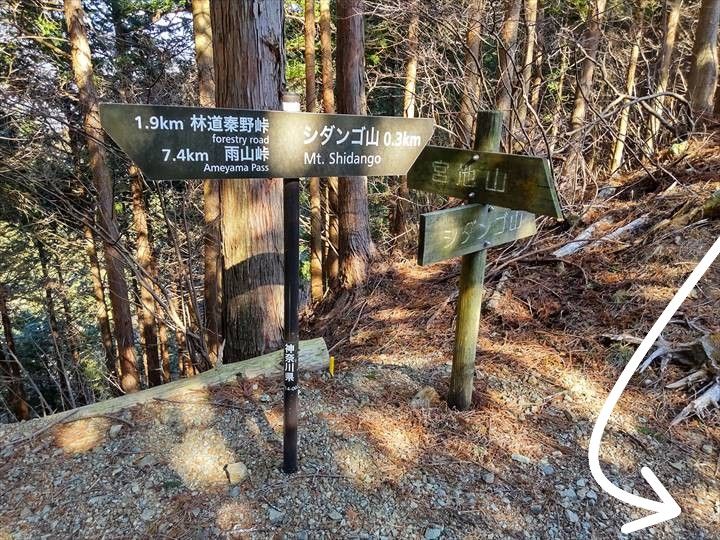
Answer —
(511, 189)
(191, 142)
(517, 182)
(466, 229)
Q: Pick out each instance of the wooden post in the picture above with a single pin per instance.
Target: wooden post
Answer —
(472, 276)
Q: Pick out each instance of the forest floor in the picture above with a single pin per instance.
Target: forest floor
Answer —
(371, 466)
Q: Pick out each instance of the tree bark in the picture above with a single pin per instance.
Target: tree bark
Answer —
(506, 59)
(101, 306)
(531, 12)
(469, 99)
(212, 240)
(144, 255)
(9, 368)
(399, 217)
(356, 247)
(590, 43)
(249, 73)
(316, 262)
(663, 70)
(619, 149)
(703, 79)
(331, 261)
(83, 73)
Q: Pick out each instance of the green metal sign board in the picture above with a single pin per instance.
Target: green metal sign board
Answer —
(466, 229)
(517, 182)
(194, 143)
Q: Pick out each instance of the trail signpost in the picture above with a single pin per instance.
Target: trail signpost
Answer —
(175, 143)
(512, 189)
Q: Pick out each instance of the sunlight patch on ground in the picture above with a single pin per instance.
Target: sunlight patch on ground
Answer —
(192, 409)
(82, 435)
(396, 438)
(653, 293)
(200, 457)
(356, 462)
(274, 419)
(235, 517)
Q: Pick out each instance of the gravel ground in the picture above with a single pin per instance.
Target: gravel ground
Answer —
(372, 466)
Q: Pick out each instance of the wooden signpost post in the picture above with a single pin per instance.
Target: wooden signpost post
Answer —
(174, 143)
(511, 189)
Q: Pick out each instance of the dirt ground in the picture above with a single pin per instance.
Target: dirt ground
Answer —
(515, 466)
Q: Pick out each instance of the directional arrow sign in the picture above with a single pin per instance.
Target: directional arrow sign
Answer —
(517, 182)
(466, 229)
(191, 142)
(666, 508)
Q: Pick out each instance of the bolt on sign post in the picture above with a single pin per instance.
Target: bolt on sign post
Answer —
(512, 189)
(176, 143)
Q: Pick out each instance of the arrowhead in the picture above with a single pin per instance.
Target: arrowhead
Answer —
(665, 510)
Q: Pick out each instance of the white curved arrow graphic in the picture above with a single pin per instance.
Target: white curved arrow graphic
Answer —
(666, 508)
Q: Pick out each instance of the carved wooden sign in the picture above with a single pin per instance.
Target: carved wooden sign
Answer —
(516, 182)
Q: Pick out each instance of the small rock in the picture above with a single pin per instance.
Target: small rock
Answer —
(335, 515)
(546, 469)
(115, 430)
(302, 535)
(521, 459)
(677, 465)
(591, 495)
(488, 477)
(147, 514)
(568, 493)
(707, 448)
(433, 533)
(148, 461)
(425, 398)
(265, 398)
(276, 516)
(536, 509)
(234, 492)
(581, 482)
(236, 472)
(572, 516)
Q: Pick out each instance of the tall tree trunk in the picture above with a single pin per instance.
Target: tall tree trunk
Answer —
(69, 330)
(248, 55)
(332, 261)
(590, 44)
(531, 12)
(9, 368)
(703, 79)
(59, 343)
(507, 48)
(557, 117)
(98, 288)
(400, 209)
(472, 64)
(672, 19)
(619, 149)
(83, 72)
(356, 247)
(537, 81)
(316, 262)
(212, 240)
(144, 255)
